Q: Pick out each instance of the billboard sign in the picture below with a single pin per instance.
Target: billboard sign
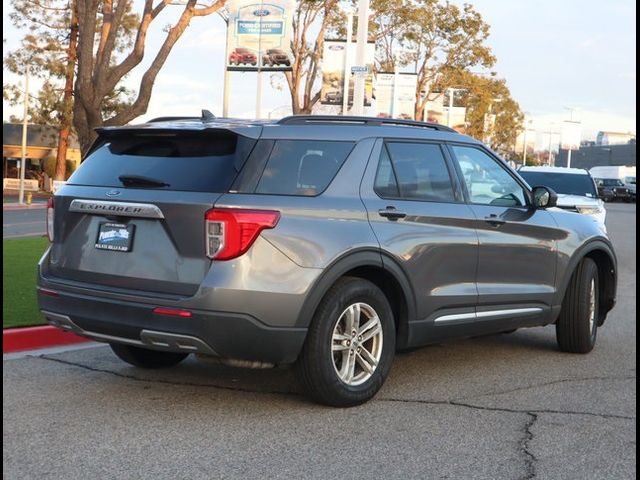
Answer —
(400, 104)
(334, 59)
(570, 135)
(259, 35)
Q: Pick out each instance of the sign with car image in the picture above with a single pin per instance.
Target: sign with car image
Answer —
(399, 103)
(333, 67)
(259, 35)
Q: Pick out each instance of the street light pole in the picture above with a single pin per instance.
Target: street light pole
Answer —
(347, 66)
(524, 141)
(23, 161)
(361, 51)
(549, 161)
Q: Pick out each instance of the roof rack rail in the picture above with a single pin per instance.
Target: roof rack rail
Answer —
(369, 121)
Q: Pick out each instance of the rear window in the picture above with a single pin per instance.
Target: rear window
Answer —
(302, 167)
(565, 183)
(202, 163)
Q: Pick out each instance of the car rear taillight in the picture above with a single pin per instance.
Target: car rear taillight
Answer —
(50, 219)
(230, 232)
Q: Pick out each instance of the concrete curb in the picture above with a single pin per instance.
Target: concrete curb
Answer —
(32, 338)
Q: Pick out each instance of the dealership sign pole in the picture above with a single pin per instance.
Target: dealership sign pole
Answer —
(259, 75)
(361, 52)
(259, 39)
(347, 72)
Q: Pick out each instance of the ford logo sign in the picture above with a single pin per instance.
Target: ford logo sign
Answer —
(113, 193)
(336, 47)
(261, 13)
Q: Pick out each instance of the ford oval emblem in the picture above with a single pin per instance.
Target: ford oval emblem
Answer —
(113, 193)
(336, 47)
(261, 13)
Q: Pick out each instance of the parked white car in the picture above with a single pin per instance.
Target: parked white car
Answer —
(575, 187)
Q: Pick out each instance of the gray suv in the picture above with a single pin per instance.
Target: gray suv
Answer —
(328, 242)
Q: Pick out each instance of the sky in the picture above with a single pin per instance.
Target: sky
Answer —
(554, 55)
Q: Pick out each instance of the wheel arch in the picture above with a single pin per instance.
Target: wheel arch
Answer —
(376, 267)
(601, 252)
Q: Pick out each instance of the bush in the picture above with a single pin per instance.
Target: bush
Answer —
(71, 167)
(49, 167)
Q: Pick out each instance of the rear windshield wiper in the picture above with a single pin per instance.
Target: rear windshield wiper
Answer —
(140, 181)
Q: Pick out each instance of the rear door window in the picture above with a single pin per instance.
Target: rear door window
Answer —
(198, 162)
(417, 171)
(302, 167)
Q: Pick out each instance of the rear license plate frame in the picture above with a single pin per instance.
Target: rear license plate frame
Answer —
(115, 237)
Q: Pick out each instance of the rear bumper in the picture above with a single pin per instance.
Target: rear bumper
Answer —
(227, 335)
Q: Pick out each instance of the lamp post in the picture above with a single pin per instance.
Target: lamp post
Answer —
(524, 154)
(23, 160)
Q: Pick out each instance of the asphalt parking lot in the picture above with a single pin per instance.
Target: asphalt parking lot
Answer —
(502, 406)
(27, 222)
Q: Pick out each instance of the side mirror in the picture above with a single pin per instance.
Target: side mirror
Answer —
(544, 197)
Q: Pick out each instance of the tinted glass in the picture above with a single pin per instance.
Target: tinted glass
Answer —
(421, 171)
(302, 167)
(565, 183)
(487, 182)
(189, 163)
(385, 184)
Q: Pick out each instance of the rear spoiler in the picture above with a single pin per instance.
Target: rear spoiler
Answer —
(247, 135)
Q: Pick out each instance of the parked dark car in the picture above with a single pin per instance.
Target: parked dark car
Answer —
(243, 56)
(275, 57)
(613, 189)
(327, 242)
(335, 96)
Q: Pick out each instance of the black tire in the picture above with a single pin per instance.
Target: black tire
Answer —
(315, 366)
(145, 358)
(574, 331)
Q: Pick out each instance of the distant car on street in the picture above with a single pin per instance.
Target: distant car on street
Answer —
(575, 187)
(630, 183)
(243, 56)
(613, 189)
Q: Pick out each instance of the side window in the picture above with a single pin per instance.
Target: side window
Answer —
(487, 182)
(302, 167)
(420, 172)
(386, 185)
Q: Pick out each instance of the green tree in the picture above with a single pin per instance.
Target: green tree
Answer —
(111, 42)
(48, 51)
(440, 40)
(492, 116)
(310, 16)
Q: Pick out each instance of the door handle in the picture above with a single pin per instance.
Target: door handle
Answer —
(391, 213)
(494, 220)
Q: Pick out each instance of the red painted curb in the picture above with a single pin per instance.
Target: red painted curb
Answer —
(32, 338)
